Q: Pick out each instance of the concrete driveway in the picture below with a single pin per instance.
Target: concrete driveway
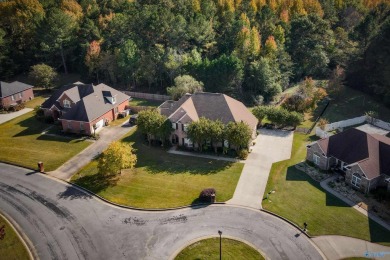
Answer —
(63, 222)
(107, 136)
(6, 117)
(271, 146)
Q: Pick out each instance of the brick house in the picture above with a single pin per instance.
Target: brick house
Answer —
(363, 157)
(14, 93)
(213, 106)
(85, 108)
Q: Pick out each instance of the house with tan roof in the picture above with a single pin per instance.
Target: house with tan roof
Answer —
(85, 108)
(213, 106)
(363, 157)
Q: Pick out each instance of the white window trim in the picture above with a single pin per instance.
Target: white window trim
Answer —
(174, 126)
(356, 180)
(20, 95)
(316, 159)
(13, 97)
(66, 103)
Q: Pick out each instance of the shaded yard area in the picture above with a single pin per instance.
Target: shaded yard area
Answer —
(300, 199)
(351, 103)
(162, 180)
(144, 102)
(21, 143)
(11, 247)
(209, 249)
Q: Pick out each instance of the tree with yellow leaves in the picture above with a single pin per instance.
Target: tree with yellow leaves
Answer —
(116, 157)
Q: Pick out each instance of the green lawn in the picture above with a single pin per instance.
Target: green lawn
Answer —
(162, 180)
(144, 102)
(11, 247)
(209, 249)
(300, 199)
(37, 101)
(351, 103)
(21, 142)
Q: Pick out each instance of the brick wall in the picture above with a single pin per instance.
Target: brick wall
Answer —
(25, 96)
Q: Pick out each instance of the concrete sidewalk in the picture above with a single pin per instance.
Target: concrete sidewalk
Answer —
(271, 146)
(9, 116)
(107, 135)
(340, 247)
(324, 184)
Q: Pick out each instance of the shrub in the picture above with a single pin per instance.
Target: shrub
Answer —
(49, 119)
(243, 154)
(207, 195)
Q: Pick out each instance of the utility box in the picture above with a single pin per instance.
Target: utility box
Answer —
(40, 167)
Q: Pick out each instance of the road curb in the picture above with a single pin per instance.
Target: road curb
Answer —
(193, 241)
(21, 235)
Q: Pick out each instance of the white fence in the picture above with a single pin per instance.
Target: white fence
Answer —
(147, 96)
(351, 122)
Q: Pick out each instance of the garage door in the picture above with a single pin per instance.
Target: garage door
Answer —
(99, 125)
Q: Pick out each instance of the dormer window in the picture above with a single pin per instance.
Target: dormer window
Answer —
(66, 103)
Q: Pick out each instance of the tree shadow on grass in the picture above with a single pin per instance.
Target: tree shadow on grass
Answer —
(96, 182)
(32, 125)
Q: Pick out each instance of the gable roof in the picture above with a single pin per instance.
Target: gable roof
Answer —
(214, 106)
(90, 101)
(370, 151)
(8, 89)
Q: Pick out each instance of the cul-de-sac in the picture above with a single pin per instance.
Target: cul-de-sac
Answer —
(201, 129)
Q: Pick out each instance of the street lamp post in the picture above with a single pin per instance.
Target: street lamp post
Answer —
(220, 244)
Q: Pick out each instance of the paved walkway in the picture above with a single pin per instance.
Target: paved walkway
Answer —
(324, 184)
(271, 146)
(107, 135)
(222, 158)
(340, 247)
(6, 117)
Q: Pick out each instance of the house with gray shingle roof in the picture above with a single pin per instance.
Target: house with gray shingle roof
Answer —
(14, 93)
(363, 157)
(213, 106)
(85, 108)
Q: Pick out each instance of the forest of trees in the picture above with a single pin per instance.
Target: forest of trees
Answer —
(249, 49)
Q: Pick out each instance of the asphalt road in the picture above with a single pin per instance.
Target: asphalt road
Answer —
(63, 222)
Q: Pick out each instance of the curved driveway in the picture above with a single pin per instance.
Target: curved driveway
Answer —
(65, 223)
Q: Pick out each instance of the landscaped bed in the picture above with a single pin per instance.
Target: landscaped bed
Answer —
(300, 199)
(162, 180)
(22, 143)
(209, 249)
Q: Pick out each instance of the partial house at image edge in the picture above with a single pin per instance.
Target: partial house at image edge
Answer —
(85, 108)
(364, 157)
(14, 93)
(213, 106)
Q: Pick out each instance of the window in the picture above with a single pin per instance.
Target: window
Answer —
(81, 126)
(13, 97)
(66, 103)
(316, 159)
(356, 180)
(116, 110)
(185, 126)
(20, 94)
(69, 125)
(174, 125)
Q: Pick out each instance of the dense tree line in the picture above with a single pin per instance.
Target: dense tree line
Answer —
(250, 49)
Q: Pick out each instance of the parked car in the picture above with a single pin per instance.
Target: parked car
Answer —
(133, 119)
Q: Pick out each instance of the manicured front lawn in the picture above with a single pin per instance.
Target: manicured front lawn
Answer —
(11, 247)
(37, 101)
(162, 180)
(300, 199)
(209, 249)
(21, 142)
